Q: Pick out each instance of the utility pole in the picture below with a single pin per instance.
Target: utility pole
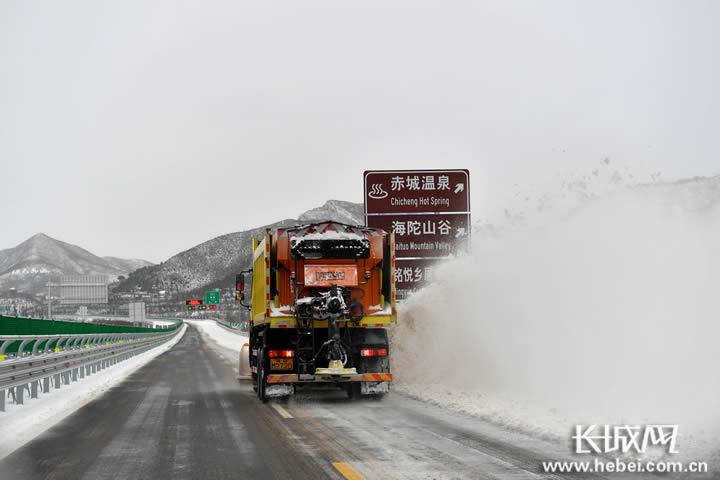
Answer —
(49, 299)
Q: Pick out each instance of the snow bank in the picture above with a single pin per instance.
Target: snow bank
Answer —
(219, 335)
(22, 423)
(228, 344)
(606, 312)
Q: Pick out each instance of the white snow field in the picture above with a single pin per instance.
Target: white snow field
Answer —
(605, 312)
(22, 423)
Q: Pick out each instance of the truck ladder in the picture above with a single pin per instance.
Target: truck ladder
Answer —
(305, 353)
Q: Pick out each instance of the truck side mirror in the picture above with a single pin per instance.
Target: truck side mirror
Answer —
(240, 287)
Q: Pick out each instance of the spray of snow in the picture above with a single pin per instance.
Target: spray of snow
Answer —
(604, 313)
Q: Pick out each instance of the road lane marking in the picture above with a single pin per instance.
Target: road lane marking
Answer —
(283, 413)
(347, 471)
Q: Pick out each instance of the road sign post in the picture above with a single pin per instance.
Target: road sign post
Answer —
(212, 297)
(194, 304)
(429, 211)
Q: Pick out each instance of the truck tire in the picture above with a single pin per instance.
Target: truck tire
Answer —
(353, 390)
(253, 376)
(261, 383)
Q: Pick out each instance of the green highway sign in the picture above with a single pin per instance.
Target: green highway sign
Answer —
(212, 297)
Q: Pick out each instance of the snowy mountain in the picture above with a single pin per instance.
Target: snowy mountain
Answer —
(214, 263)
(127, 264)
(337, 210)
(28, 266)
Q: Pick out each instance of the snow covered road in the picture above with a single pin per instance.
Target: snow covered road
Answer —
(186, 416)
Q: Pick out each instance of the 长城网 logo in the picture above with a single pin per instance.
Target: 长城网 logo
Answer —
(624, 438)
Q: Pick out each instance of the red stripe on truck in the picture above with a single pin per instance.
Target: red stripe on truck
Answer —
(377, 377)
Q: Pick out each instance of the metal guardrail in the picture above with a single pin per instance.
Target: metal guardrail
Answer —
(61, 359)
(31, 326)
(230, 324)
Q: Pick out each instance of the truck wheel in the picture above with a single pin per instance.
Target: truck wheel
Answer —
(261, 378)
(254, 378)
(353, 390)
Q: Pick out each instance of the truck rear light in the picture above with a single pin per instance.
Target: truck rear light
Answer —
(281, 353)
(373, 352)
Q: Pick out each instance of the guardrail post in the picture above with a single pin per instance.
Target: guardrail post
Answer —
(2, 400)
(20, 395)
(34, 389)
(21, 348)
(36, 344)
(56, 377)
(46, 384)
(4, 346)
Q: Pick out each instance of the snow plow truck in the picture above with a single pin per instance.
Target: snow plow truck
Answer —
(321, 298)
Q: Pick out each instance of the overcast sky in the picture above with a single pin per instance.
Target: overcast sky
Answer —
(141, 128)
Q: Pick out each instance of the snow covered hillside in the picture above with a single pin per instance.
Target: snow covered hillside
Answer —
(337, 210)
(27, 266)
(214, 263)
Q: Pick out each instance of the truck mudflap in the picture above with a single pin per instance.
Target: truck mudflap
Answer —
(328, 377)
(278, 390)
(374, 388)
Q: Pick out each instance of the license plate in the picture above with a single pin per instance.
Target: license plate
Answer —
(281, 364)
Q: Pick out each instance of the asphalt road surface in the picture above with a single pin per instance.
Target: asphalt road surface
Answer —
(186, 416)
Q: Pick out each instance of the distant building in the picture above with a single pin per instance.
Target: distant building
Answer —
(82, 289)
(136, 312)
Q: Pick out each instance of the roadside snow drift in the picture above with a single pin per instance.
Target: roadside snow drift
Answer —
(230, 344)
(605, 313)
(221, 336)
